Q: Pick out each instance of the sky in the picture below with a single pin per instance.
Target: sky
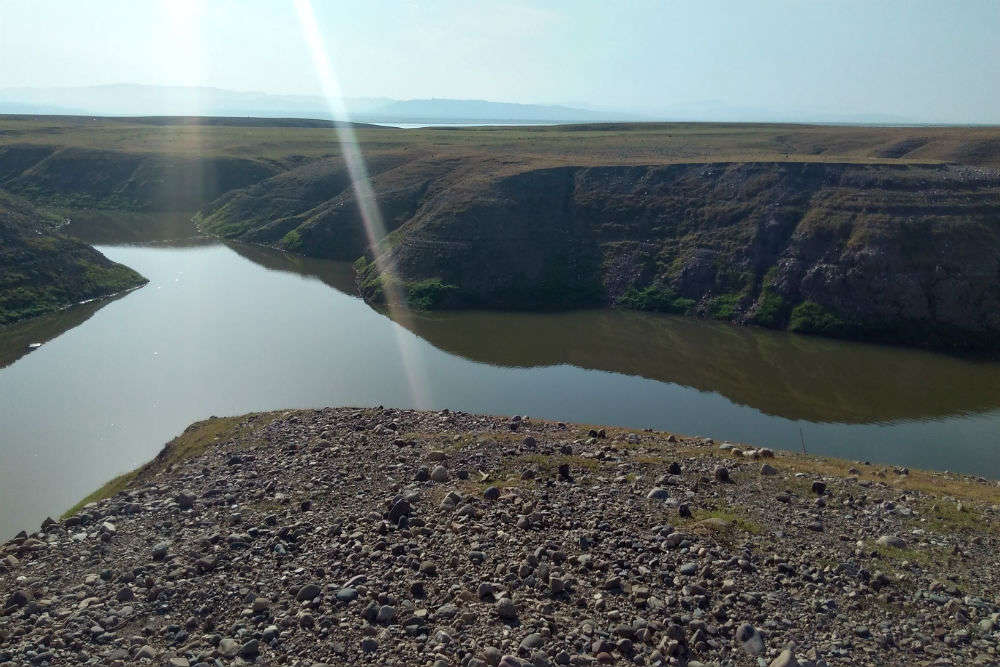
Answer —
(923, 60)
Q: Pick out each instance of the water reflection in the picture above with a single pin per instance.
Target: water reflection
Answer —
(15, 338)
(338, 275)
(782, 374)
(778, 373)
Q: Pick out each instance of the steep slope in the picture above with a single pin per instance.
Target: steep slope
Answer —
(42, 271)
(313, 208)
(902, 253)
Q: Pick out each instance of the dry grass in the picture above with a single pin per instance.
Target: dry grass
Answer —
(195, 440)
(936, 484)
(516, 148)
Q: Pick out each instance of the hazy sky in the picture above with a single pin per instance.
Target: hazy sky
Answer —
(925, 60)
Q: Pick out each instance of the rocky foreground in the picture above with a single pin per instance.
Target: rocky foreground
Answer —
(385, 537)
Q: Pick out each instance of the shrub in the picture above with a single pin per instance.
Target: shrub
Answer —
(771, 310)
(428, 294)
(660, 299)
(723, 307)
(810, 317)
(291, 241)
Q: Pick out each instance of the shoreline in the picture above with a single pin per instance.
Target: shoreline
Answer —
(383, 536)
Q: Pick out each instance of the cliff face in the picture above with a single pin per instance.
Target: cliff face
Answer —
(901, 253)
(42, 271)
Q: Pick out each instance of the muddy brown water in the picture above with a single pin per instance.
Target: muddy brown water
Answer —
(227, 329)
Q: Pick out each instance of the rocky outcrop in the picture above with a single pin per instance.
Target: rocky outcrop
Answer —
(900, 253)
(42, 271)
(389, 537)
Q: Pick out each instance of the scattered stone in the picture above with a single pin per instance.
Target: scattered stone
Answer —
(185, 500)
(750, 639)
(785, 659)
(251, 649)
(160, 550)
(505, 609)
(228, 648)
(308, 592)
(145, 652)
(891, 541)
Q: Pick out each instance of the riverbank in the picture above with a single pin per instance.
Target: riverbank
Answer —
(370, 536)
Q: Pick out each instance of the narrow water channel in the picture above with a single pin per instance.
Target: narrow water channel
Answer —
(223, 330)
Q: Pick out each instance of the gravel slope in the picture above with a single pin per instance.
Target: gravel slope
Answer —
(386, 537)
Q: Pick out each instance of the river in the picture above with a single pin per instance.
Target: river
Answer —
(227, 329)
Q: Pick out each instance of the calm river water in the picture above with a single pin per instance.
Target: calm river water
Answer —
(222, 330)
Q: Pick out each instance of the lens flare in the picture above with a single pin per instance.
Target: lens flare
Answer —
(371, 216)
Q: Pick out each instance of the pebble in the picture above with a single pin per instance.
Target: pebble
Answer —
(891, 541)
(506, 610)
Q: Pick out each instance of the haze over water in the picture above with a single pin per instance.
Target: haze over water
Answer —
(223, 330)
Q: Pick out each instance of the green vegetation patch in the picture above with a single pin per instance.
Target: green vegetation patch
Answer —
(658, 299)
(291, 241)
(428, 294)
(925, 557)
(943, 515)
(723, 307)
(772, 310)
(724, 521)
(812, 318)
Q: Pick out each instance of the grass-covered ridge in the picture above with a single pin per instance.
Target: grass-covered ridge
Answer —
(42, 271)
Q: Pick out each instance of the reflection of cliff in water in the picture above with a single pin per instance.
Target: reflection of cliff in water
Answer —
(782, 374)
(15, 338)
(338, 275)
(791, 376)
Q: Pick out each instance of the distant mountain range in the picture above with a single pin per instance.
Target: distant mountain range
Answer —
(137, 100)
(142, 100)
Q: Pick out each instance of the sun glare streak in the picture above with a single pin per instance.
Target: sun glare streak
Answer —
(371, 216)
(185, 65)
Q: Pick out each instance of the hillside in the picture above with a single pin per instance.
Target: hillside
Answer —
(42, 271)
(860, 232)
(388, 537)
(899, 253)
